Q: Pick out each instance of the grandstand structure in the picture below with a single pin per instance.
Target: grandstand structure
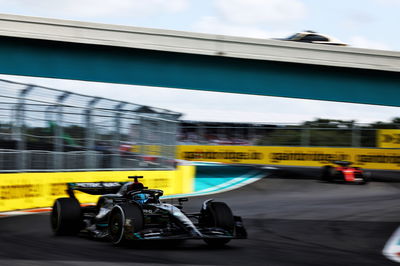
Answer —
(45, 129)
(322, 133)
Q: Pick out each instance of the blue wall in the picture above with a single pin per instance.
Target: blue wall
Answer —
(213, 73)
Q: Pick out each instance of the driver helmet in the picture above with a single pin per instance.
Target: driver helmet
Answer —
(135, 186)
(141, 198)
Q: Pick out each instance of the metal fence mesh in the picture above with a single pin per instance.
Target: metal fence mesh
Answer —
(49, 129)
(322, 135)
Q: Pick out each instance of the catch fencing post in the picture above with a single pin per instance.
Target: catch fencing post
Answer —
(116, 155)
(59, 133)
(20, 123)
(355, 136)
(305, 137)
(90, 132)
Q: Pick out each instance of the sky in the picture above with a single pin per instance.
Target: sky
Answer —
(360, 23)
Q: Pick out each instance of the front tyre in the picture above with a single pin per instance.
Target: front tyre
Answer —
(218, 214)
(65, 216)
(365, 178)
(124, 221)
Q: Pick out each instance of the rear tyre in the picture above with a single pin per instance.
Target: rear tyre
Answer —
(66, 216)
(124, 221)
(218, 214)
(327, 173)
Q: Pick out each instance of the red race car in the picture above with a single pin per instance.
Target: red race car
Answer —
(344, 172)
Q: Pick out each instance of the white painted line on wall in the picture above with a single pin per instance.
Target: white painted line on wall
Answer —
(392, 247)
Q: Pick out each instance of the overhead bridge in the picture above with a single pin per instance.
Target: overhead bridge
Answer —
(129, 55)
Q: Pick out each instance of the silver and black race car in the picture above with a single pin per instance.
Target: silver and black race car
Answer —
(129, 211)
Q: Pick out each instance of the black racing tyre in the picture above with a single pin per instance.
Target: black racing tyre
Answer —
(218, 214)
(66, 216)
(118, 218)
(365, 178)
(339, 176)
(327, 173)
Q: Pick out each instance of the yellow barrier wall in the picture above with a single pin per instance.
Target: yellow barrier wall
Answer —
(32, 190)
(388, 138)
(387, 159)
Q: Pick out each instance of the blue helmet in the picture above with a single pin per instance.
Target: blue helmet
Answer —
(141, 198)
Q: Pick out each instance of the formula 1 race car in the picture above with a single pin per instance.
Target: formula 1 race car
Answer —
(129, 211)
(344, 172)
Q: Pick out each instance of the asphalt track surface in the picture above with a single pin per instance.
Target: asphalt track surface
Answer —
(289, 222)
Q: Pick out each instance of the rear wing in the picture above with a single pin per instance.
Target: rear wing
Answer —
(95, 188)
(342, 163)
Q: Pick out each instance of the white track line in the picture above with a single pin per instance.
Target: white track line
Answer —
(204, 192)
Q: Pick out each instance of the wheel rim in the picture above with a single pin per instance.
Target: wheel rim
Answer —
(116, 228)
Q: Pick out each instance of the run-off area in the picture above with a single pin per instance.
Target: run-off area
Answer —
(290, 221)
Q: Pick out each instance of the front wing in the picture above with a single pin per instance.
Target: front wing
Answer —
(206, 232)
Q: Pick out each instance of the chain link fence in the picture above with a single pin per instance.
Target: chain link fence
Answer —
(44, 129)
(322, 135)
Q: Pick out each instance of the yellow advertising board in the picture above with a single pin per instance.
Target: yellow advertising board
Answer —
(32, 190)
(388, 159)
(388, 138)
(146, 149)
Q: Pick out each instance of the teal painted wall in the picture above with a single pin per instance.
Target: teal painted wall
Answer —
(199, 72)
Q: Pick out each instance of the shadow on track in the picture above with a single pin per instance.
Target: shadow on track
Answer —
(274, 241)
